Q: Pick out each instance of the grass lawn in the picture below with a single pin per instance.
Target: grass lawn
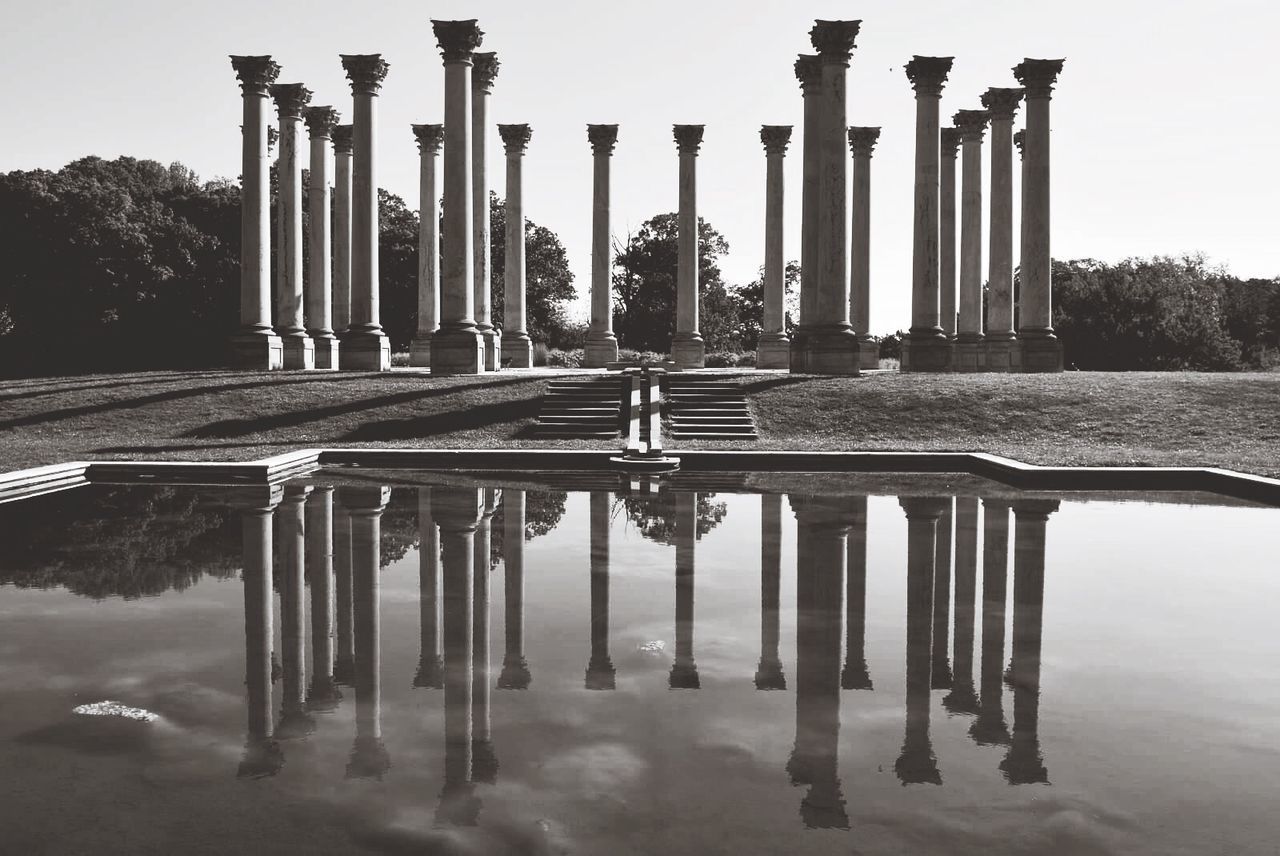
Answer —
(1227, 420)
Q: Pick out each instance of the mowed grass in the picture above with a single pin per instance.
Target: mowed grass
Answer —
(1145, 419)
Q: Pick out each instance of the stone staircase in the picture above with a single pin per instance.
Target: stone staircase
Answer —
(586, 407)
(702, 408)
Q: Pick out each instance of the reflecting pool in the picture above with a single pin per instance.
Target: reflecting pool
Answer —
(415, 662)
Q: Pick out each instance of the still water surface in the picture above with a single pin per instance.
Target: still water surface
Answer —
(477, 667)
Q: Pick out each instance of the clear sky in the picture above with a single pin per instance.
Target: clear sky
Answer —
(1165, 119)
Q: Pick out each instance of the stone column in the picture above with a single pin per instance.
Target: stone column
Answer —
(430, 674)
(1019, 139)
(854, 675)
(947, 229)
(600, 671)
(369, 758)
(684, 672)
(769, 674)
(262, 756)
(808, 68)
(484, 763)
(344, 664)
(1041, 349)
(294, 720)
(515, 669)
(299, 352)
(365, 346)
(862, 141)
(970, 349)
(255, 345)
(342, 142)
(917, 764)
(926, 348)
(320, 124)
(990, 728)
(430, 138)
(687, 348)
(963, 699)
(940, 666)
(774, 346)
(517, 347)
(1001, 345)
(602, 345)
(484, 70)
(323, 695)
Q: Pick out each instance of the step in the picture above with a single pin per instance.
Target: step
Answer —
(696, 435)
(710, 420)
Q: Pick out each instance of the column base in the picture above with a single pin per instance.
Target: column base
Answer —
(299, 352)
(600, 675)
(257, 351)
(364, 350)
(854, 676)
(689, 351)
(517, 351)
(684, 676)
(601, 348)
(1041, 353)
(515, 674)
(831, 351)
(969, 354)
(420, 351)
(1003, 355)
(326, 348)
(773, 351)
(926, 352)
(492, 349)
(868, 352)
(457, 352)
(769, 675)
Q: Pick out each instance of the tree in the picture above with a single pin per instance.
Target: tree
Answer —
(750, 299)
(655, 515)
(548, 280)
(397, 269)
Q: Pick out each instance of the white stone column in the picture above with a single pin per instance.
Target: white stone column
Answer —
(601, 674)
(515, 668)
(684, 671)
(430, 138)
(1041, 349)
(294, 721)
(262, 755)
(1001, 345)
(457, 347)
(255, 345)
(1019, 140)
(323, 694)
(299, 352)
(926, 348)
(862, 141)
(687, 348)
(969, 350)
(342, 229)
(774, 347)
(517, 347)
(365, 346)
(484, 70)
(320, 124)
(947, 229)
(808, 68)
(602, 344)
(369, 758)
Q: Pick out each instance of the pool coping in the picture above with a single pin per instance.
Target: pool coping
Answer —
(23, 484)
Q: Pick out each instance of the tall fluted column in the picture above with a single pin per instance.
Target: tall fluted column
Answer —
(262, 756)
(774, 347)
(369, 758)
(970, 350)
(366, 346)
(323, 694)
(484, 70)
(294, 720)
(299, 352)
(484, 763)
(808, 68)
(342, 143)
(963, 699)
(1041, 349)
(684, 672)
(517, 347)
(687, 348)
(344, 664)
(430, 138)
(600, 671)
(769, 674)
(430, 674)
(457, 347)
(255, 345)
(602, 344)
(1023, 764)
(320, 124)
(947, 229)
(917, 764)
(862, 141)
(515, 668)
(926, 348)
(1019, 140)
(854, 675)
(990, 728)
(1002, 349)
(940, 666)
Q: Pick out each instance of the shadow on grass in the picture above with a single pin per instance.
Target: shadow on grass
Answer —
(432, 424)
(160, 448)
(771, 382)
(107, 382)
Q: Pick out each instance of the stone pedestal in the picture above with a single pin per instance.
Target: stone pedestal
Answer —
(484, 70)
(602, 344)
(517, 346)
(862, 142)
(1002, 350)
(320, 124)
(774, 346)
(342, 144)
(299, 352)
(808, 69)
(687, 347)
(430, 138)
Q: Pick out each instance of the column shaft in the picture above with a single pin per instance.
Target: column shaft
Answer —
(969, 351)
(602, 344)
(299, 352)
(429, 139)
(483, 71)
(962, 699)
(430, 674)
(484, 764)
(369, 757)
(294, 721)
(323, 694)
(320, 123)
(515, 669)
(947, 233)
(855, 675)
(684, 672)
(862, 142)
(772, 350)
(687, 348)
(769, 674)
(261, 756)
(600, 670)
(342, 143)
(808, 70)
(989, 727)
(917, 764)
(517, 347)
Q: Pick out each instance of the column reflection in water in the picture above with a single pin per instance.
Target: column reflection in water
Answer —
(344, 666)
(515, 669)
(989, 727)
(963, 698)
(684, 672)
(457, 512)
(600, 671)
(484, 763)
(769, 674)
(323, 695)
(940, 677)
(822, 527)
(854, 676)
(430, 674)
(1023, 764)
(295, 722)
(917, 764)
(369, 757)
(262, 756)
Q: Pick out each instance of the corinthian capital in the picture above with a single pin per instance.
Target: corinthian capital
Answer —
(688, 138)
(515, 137)
(290, 99)
(255, 73)
(321, 121)
(833, 40)
(809, 72)
(862, 141)
(365, 71)
(950, 142)
(1002, 104)
(971, 124)
(484, 71)
(342, 139)
(928, 74)
(429, 137)
(775, 138)
(457, 39)
(1037, 76)
(602, 138)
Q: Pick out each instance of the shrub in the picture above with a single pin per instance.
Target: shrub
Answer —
(730, 359)
(539, 353)
(565, 359)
